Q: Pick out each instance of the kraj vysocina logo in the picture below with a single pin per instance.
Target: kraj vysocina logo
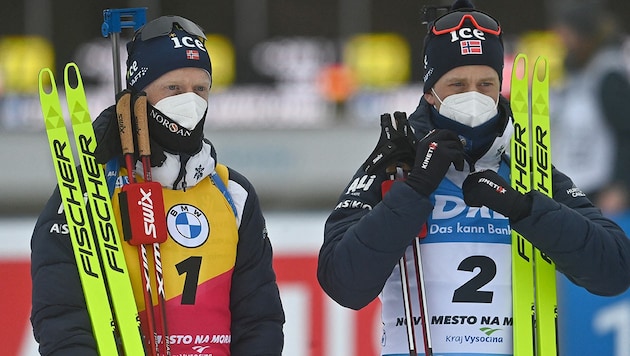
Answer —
(187, 225)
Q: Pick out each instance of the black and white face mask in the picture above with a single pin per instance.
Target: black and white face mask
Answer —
(181, 133)
(186, 109)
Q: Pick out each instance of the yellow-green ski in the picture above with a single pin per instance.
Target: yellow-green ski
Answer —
(522, 250)
(85, 250)
(101, 227)
(545, 270)
(533, 273)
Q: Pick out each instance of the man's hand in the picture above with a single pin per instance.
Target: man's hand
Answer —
(435, 153)
(396, 145)
(487, 188)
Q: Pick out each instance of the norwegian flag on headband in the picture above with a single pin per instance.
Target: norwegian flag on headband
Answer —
(192, 54)
(470, 47)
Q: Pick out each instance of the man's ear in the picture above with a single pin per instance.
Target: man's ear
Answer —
(430, 98)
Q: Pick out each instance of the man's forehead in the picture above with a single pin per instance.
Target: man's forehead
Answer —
(186, 74)
(470, 72)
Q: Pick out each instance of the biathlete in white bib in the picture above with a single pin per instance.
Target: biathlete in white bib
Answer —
(457, 198)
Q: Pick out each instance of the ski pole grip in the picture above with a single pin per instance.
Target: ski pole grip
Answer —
(123, 114)
(142, 126)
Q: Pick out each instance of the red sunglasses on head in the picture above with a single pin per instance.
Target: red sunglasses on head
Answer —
(455, 20)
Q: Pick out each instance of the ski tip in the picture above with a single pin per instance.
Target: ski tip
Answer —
(519, 67)
(46, 80)
(72, 77)
(73, 66)
(541, 69)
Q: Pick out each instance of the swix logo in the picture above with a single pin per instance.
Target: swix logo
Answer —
(148, 216)
(493, 185)
(142, 212)
(427, 158)
(449, 206)
(361, 183)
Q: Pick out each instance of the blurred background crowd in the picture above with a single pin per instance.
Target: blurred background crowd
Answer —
(330, 65)
(313, 68)
(299, 86)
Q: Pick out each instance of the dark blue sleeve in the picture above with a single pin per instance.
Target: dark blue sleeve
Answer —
(590, 249)
(60, 320)
(365, 236)
(257, 314)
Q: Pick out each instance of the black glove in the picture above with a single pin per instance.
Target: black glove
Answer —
(436, 151)
(396, 145)
(489, 189)
(107, 134)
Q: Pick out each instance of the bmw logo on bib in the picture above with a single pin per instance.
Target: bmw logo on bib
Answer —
(187, 225)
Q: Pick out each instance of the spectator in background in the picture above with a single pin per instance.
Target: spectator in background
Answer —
(590, 120)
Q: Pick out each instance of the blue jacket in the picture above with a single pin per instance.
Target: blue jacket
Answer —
(59, 316)
(366, 235)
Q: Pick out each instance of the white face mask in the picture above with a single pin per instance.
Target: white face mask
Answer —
(186, 109)
(470, 108)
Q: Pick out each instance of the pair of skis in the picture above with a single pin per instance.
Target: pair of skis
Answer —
(93, 229)
(533, 273)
